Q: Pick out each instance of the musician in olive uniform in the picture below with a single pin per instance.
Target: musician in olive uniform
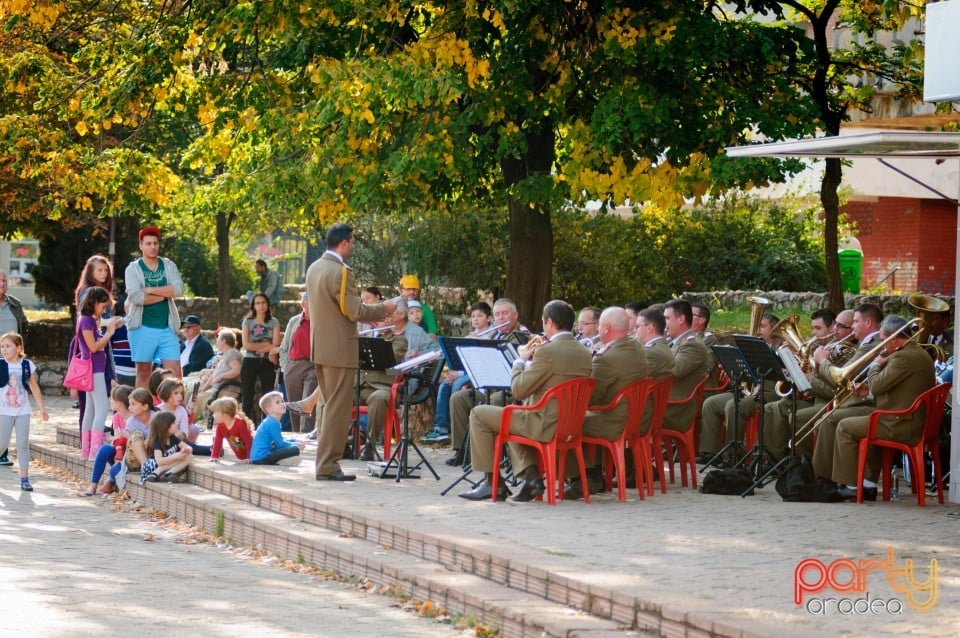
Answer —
(375, 389)
(866, 326)
(776, 414)
(561, 358)
(462, 401)
(335, 309)
(618, 362)
(690, 363)
(701, 322)
(902, 372)
(660, 360)
(940, 333)
(719, 409)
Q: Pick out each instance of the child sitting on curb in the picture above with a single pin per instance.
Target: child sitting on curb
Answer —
(232, 425)
(268, 446)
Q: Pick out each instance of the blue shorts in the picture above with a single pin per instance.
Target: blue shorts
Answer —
(148, 344)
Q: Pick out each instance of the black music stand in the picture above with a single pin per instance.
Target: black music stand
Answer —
(766, 365)
(375, 354)
(416, 388)
(489, 366)
(738, 370)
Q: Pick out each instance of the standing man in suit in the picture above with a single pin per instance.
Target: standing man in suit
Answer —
(902, 372)
(335, 309)
(561, 358)
(618, 362)
(196, 350)
(690, 361)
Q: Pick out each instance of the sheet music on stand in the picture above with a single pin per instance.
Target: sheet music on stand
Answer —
(415, 362)
(376, 354)
(487, 363)
(794, 371)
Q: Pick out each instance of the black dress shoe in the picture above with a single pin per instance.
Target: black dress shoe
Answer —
(573, 490)
(336, 476)
(456, 459)
(367, 453)
(850, 493)
(529, 490)
(704, 457)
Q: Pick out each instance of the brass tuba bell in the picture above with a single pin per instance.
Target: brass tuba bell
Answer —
(926, 307)
(757, 306)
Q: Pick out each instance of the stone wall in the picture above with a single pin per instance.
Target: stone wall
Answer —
(806, 301)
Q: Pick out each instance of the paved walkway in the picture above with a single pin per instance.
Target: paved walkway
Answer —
(721, 557)
(72, 566)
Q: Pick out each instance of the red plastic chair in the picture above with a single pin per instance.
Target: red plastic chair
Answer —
(572, 399)
(653, 440)
(722, 382)
(635, 394)
(684, 442)
(391, 424)
(932, 402)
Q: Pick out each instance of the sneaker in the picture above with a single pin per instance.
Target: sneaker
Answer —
(152, 476)
(313, 435)
(435, 436)
(121, 477)
(25, 484)
(4, 460)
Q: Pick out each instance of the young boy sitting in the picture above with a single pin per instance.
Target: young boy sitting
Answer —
(269, 447)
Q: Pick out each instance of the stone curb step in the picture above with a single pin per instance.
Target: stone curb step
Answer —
(513, 613)
(453, 553)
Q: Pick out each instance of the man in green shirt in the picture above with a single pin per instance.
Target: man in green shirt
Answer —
(410, 290)
(152, 319)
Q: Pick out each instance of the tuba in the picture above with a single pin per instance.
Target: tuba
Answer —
(757, 306)
(927, 306)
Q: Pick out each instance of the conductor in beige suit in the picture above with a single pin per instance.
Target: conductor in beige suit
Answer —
(335, 309)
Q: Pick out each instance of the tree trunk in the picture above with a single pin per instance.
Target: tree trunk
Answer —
(223, 268)
(530, 257)
(831, 214)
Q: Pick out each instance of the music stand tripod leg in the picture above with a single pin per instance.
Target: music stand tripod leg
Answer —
(467, 467)
(400, 455)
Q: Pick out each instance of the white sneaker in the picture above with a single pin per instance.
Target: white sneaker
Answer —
(121, 479)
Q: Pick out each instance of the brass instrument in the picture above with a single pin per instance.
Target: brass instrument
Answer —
(849, 377)
(531, 346)
(757, 306)
(788, 330)
(841, 351)
(926, 306)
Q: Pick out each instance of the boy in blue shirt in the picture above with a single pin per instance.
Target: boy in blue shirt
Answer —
(268, 446)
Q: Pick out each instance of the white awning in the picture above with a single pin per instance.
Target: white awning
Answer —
(880, 144)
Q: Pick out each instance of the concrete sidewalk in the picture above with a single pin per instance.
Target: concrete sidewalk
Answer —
(715, 559)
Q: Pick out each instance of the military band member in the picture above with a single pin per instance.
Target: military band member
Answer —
(462, 401)
(618, 362)
(660, 359)
(777, 428)
(335, 308)
(588, 327)
(866, 326)
(690, 363)
(718, 409)
(559, 359)
(902, 372)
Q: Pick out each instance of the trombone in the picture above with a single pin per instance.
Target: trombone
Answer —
(848, 378)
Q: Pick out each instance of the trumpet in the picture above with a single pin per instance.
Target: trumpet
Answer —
(851, 376)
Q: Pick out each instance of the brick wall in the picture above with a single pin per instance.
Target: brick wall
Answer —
(916, 237)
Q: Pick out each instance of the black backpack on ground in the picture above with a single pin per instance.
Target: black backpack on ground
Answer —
(727, 481)
(798, 483)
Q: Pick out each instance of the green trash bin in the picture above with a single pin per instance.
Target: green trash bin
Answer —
(851, 268)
